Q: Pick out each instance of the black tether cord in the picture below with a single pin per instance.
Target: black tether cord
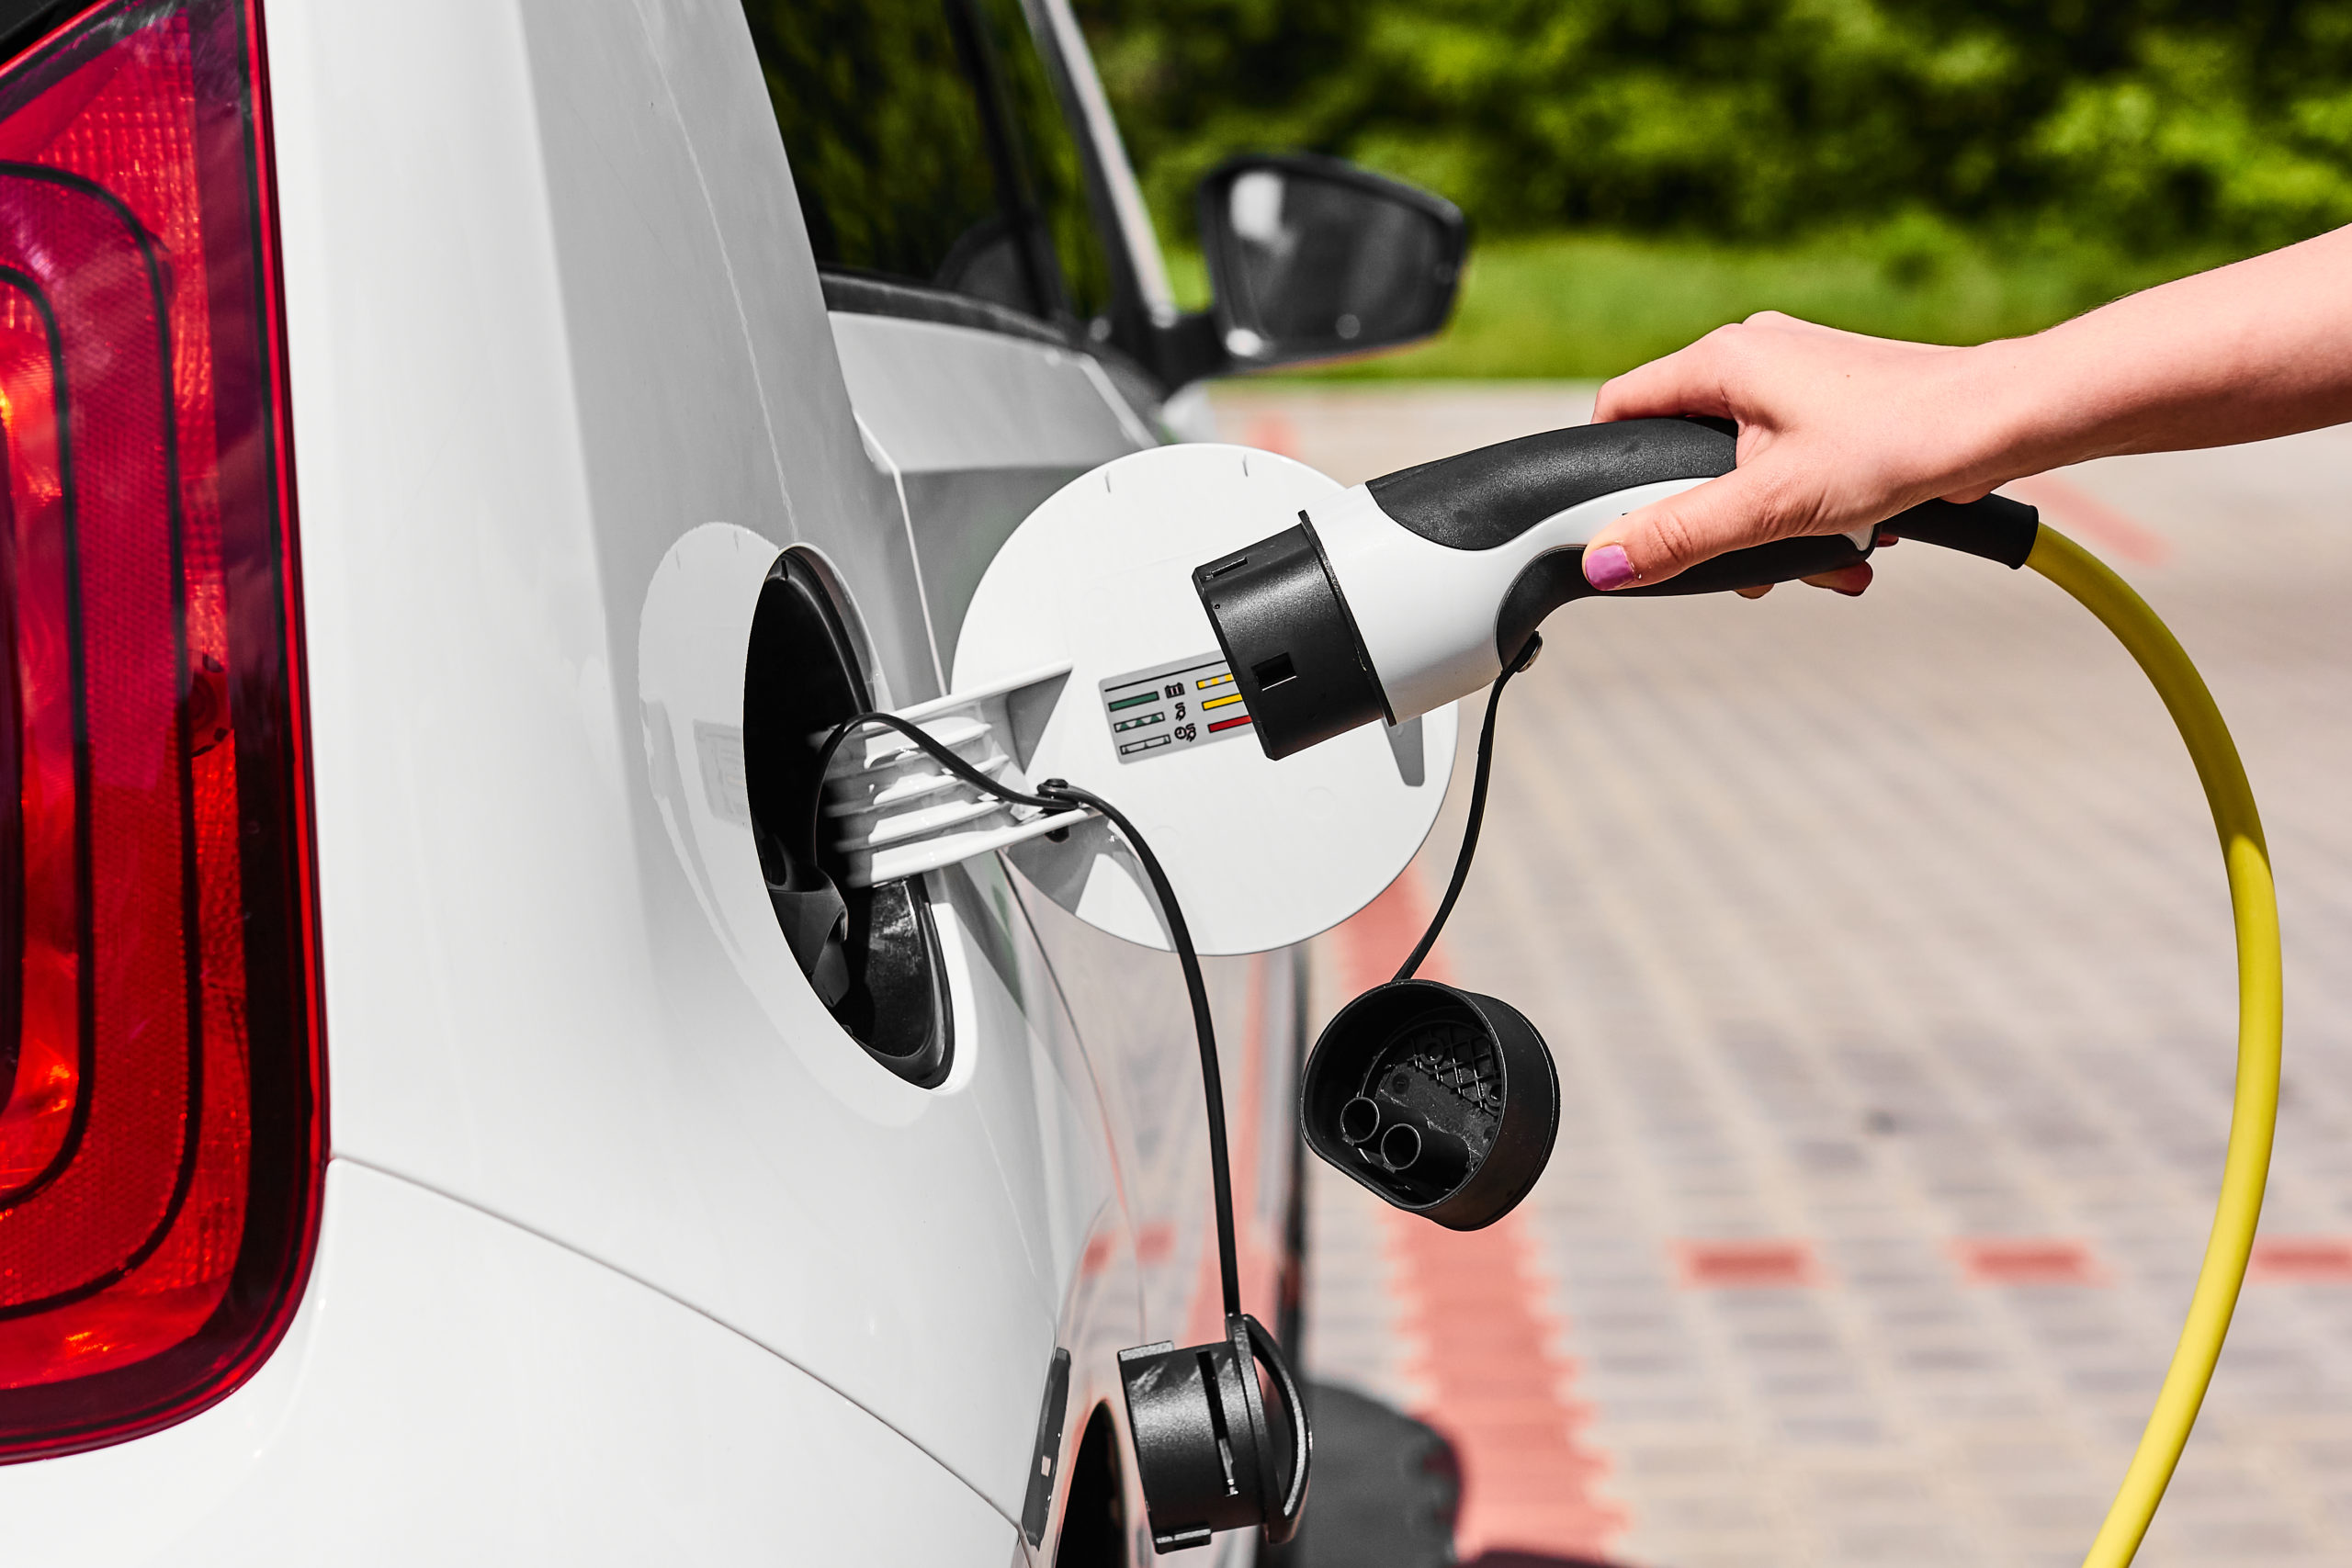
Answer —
(940, 754)
(1055, 794)
(1212, 1081)
(1477, 811)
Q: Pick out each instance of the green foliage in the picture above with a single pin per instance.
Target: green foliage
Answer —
(2158, 125)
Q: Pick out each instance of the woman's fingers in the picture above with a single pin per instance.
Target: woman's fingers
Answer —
(1686, 381)
(1729, 369)
(1654, 543)
(1848, 580)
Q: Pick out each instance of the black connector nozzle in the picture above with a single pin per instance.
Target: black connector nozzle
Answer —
(1291, 644)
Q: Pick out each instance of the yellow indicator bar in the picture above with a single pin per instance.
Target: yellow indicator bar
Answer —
(1221, 702)
(1223, 679)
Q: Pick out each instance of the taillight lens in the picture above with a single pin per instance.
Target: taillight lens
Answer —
(161, 1136)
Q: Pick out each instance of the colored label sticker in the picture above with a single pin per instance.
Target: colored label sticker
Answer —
(1162, 711)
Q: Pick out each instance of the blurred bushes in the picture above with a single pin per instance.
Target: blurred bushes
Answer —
(2196, 126)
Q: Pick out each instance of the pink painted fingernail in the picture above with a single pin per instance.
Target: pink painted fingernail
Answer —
(1608, 567)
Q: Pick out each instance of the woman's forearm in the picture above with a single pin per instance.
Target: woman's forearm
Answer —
(2256, 349)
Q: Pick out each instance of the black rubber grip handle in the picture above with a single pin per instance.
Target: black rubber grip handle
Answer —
(1556, 576)
(1487, 498)
(1483, 499)
(1995, 527)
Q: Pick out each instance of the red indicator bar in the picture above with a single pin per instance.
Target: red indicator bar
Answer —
(1228, 723)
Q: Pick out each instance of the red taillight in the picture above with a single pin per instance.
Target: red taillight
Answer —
(161, 1138)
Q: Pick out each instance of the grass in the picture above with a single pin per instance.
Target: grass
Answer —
(1589, 306)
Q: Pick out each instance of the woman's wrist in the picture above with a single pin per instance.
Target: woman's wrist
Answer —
(2016, 406)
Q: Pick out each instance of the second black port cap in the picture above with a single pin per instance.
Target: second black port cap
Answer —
(1442, 1101)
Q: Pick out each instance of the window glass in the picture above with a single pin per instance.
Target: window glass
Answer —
(927, 146)
(1057, 169)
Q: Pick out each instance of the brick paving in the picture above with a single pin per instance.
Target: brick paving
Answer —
(1472, 1312)
(1885, 952)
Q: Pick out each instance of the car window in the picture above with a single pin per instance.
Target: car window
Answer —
(1057, 168)
(928, 147)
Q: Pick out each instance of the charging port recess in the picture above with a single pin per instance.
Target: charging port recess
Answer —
(872, 953)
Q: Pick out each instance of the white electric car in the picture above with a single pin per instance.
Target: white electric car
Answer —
(457, 453)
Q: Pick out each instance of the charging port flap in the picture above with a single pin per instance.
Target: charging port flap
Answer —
(1157, 716)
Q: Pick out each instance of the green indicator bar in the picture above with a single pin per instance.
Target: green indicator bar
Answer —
(1150, 697)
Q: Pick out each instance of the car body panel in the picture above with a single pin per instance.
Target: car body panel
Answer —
(458, 1390)
(529, 1007)
(977, 428)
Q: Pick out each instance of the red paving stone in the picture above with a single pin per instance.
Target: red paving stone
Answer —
(2093, 522)
(2029, 1261)
(1479, 1335)
(1272, 433)
(2300, 1260)
(1746, 1265)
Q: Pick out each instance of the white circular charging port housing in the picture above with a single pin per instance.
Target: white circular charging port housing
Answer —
(1261, 854)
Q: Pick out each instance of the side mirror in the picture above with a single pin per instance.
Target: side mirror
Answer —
(1312, 258)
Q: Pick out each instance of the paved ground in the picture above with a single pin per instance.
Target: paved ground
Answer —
(1885, 948)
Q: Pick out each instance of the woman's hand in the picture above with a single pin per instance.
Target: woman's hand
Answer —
(1835, 431)
(1838, 430)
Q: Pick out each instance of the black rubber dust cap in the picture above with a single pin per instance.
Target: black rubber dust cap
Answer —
(1442, 1101)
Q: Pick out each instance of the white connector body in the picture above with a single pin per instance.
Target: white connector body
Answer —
(1426, 611)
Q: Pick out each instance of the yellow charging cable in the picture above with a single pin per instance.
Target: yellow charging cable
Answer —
(2254, 1119)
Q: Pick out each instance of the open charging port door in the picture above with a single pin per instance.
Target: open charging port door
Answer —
(1098, 580)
